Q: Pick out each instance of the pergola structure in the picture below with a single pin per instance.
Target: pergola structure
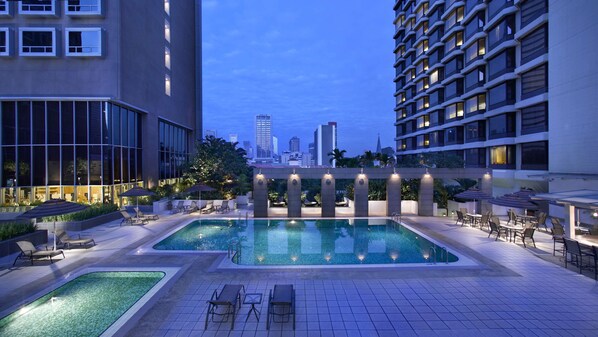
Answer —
(361, 177)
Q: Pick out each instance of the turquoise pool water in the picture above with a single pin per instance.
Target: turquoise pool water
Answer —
(85, 306)
(309, 242)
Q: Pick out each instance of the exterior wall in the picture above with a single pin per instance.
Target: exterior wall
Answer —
(572, 93)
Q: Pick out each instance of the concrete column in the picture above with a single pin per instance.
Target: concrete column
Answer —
(486, 187)
(426, 195)
(294, 196)
(393, 194)
(570, 221)
(328, 196)
(260, 196)
(361, 195)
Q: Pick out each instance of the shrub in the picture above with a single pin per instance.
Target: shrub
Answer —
(14, 229)
(91, 212)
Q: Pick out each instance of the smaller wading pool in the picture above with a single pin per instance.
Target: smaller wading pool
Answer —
(309, 242)
(84, 306)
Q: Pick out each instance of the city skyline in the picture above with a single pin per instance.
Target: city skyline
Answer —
(263, 59)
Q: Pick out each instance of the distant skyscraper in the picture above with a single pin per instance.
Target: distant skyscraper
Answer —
(248, 149)
(324, 143)
(294, 144)
(274, 145)
(378, 146)
(210, 133)
(263, 138)
(311, 148)
(233, 138)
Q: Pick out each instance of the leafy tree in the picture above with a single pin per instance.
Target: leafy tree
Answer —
(338, 156)
(367, 159)
(219, 164)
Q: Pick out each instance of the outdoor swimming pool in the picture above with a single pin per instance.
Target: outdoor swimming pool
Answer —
(309, 242)
(85, 306)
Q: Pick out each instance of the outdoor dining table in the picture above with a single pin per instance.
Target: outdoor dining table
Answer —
(525, 218)
(475, 218)
(511, 229)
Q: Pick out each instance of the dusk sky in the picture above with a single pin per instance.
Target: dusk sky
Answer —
(304, 63)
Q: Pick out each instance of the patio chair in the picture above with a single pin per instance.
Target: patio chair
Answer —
(190, 208)
(512, 217)
(224, 208)
(180, 207)
(141, 215)
(558, 234)
(573, 248)
(64, 239)
(224, 304)
(281, 303)
(28, 251)
(208, 208)
(541, 221)
(496, 228)
(128, 219)
(484, 220)
(462, 218)
(527, 233)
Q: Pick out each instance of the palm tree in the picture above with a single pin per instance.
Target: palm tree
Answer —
(337, 156)
(367, 160)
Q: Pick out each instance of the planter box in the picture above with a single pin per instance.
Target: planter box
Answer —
(9, 246)
(81, 225)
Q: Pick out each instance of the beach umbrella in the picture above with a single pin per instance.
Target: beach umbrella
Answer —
(513, 201)
(137, 192)
(473, 194)
(53, 207)
(199, 188)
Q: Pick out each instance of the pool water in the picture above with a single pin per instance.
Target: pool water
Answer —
(309, 242)
(85, 306)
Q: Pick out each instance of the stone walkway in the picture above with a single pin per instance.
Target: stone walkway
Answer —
(513, 292)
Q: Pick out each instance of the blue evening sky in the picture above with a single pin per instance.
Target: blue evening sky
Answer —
(304, 63)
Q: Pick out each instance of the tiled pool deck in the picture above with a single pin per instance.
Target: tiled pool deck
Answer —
(514, 291)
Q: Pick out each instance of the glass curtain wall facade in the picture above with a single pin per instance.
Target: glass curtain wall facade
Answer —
(477, 71)
(174, 151)
(84, 151)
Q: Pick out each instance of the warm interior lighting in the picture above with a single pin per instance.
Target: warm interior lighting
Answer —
(167, 30)
(294, 258)
(260, 258)
(167, 57)
(394, 256)
(361, 257)
(167, 6)
(327, 257)
(167, 85)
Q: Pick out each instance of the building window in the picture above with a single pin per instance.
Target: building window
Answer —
(534, 119)
(167, 57)
(534, 82)
(501, 126)
(475, 78)
(503, 31)
(167, 84)
(173, 149)
(475, 132)
(453, 89)
(475, 157)
(4, 41)
(436, 117)
(83, 7)
(422, 85)
(423, 103)
(421, 48)
(4, 7)
(167, 30)
(453, 111)
(502, 94)
(436, 139)
(422, 66)
(475, 25)
(436, 75)
(495, 6)
(453, 66)
(423, 122)
(37, 41)
(453, 42)
(167, 7)
(502, 157)
(436, 97)
(534, 156)
(531, 10)
(83, 42)
(475, 51)
(453, 135)
(423, 141)
(37, 7)
(475, 104)
(501, 64)
(454, 18)
(534, 44)
(436, 56)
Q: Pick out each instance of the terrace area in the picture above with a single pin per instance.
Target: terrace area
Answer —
(511, 291)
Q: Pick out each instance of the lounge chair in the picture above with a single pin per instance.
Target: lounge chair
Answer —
(343, 203)
(180, 207)
(208, 208)
(28, 251)
(281, 303)
(225, 304)
(128, 219)
(141, 215)
(280, 202)
(224, 207)
(309, 203)
(64, 239)
(190, 208)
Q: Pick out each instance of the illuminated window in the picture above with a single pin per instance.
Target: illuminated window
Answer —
(167, 85)
(499, 155)
(167, 30)
(453, 111)
(83, 42)
(167, 6)
(167, 57)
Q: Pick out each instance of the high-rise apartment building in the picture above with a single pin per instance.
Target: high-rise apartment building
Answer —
(96, 96)
(324, 143)
(472, 80)
(294, 145)
(233, 138)
(263, 138)
(248, 149)
(274, 146)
